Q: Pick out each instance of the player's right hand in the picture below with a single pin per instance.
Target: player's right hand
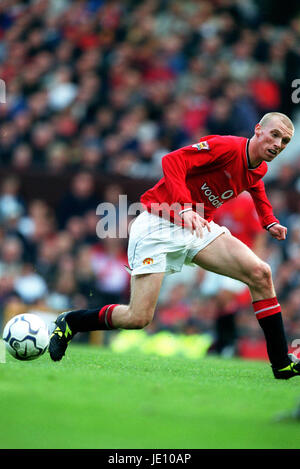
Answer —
(278, 231)
(195, 223)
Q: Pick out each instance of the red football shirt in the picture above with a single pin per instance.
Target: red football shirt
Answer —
(240, 217)
(212, 172)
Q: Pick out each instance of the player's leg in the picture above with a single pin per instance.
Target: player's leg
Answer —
(144, 295)
(138, 314)
(228, 256)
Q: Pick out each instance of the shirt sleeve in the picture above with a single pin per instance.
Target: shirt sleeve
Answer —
(262, 205)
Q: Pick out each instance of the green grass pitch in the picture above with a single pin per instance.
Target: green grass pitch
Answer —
(95, 398)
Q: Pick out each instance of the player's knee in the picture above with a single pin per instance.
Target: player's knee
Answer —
(261, 275)
(140, 319)
(139, 323)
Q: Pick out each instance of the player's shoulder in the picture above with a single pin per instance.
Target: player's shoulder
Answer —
(219, 145)
(222, 143)
(228, 140)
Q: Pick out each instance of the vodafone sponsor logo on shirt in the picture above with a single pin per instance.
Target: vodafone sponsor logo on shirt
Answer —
(215, 199)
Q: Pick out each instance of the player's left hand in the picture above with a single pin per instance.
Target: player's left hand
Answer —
(278, 231)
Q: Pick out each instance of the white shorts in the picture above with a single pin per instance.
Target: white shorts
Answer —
(156, 245)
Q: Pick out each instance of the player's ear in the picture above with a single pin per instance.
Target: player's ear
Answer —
(257, 130)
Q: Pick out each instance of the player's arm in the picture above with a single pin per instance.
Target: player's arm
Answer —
(265, 211)
(176, 166)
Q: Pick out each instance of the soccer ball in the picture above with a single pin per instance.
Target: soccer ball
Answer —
(26, 337)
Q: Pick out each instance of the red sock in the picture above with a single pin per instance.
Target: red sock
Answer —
(105, 316)
(268, 314)
(265, 308)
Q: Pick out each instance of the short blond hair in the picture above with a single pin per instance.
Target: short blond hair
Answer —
(284, 118)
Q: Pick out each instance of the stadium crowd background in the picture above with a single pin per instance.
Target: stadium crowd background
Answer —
(96, 93)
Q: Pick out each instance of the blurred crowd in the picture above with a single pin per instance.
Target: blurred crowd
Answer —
(114, 85)
(109, 87)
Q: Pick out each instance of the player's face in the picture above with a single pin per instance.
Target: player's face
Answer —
(272, 138)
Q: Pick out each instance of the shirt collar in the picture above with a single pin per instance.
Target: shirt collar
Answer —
(248, 157)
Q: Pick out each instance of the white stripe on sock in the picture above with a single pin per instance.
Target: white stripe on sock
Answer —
(266, 309)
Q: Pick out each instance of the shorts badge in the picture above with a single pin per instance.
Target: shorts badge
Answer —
(148, 260)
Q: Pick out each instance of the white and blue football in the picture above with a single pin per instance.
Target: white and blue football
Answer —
(26, 336)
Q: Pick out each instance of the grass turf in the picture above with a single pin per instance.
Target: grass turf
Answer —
(95, 398)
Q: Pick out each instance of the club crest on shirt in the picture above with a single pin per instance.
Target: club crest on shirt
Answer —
(201, 146)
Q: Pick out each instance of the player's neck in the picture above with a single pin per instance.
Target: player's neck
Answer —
(253, 154)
